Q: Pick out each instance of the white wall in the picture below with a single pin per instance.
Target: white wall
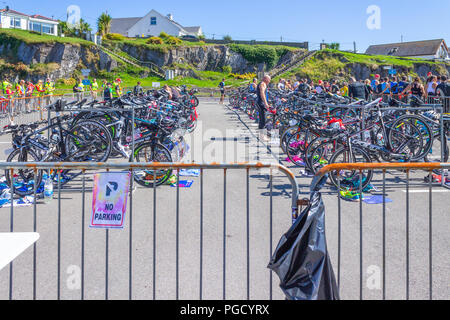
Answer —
(24, 22)
(143, 27)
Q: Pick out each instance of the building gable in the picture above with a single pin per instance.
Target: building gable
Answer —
(408, 49)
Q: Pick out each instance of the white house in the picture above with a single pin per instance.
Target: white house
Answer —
(152, 25)
(429, 49)
(10, 19)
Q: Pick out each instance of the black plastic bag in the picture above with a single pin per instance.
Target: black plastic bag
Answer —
(301, 259)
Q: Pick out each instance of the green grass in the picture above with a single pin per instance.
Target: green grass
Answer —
(32, 37)
(377, 59)
(329, 64)
(142, 43)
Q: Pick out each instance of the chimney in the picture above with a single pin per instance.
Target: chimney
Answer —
(170, 16)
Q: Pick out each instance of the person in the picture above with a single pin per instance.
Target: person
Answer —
(375, 82)
(443, 89)
(393, 85)
(262, 102)
(9, 91)
(304, 87)
(334, 87)
(383, 87)
(357, 90)
(118, 87)
(288, 85)
(108, 92)
(5, 84)
(174, 93)
(40, 88)
(402, 84)
(78, 89)
(296, 84)
(369, 89)
(138, 90)
(416, 88)
(431, 87)
(20, 89)
(252, 87)
(281, 85)
(320, 88)
(222, 91)
(94, 89)
(29, 94)
(49, 87)
(344, 90)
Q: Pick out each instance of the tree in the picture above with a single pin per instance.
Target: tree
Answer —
(65, 29)
(227, 38)
(84, 27)
(334, 46)
(104, 24)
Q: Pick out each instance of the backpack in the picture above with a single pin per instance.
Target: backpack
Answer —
(445, 88)
(394, 87)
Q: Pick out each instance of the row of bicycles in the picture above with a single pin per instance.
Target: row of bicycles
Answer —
(320, 129)
(144, 128)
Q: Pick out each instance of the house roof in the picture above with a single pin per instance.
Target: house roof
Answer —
(408, 49)
(122, 25)
(38, 16)
(14, 12)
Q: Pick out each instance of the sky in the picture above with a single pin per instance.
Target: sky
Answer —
(342, 21)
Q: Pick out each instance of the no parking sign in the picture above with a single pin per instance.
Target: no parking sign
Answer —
(109, 203)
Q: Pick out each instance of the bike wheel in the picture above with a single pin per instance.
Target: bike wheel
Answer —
(350, 179)
(149, 152)
(24, 179)
(435, 153)
(319, 153)
(88, 141)
(410, 135)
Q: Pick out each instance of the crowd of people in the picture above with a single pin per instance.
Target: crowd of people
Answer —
(436, 85)
(28, 89)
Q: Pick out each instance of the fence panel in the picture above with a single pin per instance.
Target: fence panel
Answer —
(211, 241)
(397, 249)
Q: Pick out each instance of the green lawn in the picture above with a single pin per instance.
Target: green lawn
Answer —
(32, 37)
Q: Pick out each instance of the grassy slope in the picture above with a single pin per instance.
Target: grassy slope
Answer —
(328, 63)
(31, 37)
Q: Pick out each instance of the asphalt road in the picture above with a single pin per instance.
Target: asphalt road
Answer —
(226, 136)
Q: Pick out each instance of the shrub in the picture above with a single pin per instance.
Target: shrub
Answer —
(115, 37)
(70, 82)
(173, 41)
(246, 76)
(227, 69)
(155, 40)
(163, 35)
(260, 53)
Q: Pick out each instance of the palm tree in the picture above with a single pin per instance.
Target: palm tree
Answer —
(104, 24)
(84, 26)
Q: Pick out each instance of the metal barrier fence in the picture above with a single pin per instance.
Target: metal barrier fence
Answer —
(431, 100)
(416, 250)
(211, 243)
(31, 109)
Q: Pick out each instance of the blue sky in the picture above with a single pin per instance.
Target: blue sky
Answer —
(342, 21)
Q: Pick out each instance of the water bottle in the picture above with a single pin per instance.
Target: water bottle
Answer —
(48, 190)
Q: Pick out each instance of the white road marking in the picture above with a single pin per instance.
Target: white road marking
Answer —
(427, 191)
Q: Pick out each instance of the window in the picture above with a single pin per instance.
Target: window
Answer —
(47, 28)
(153, 21)
(15, 22)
